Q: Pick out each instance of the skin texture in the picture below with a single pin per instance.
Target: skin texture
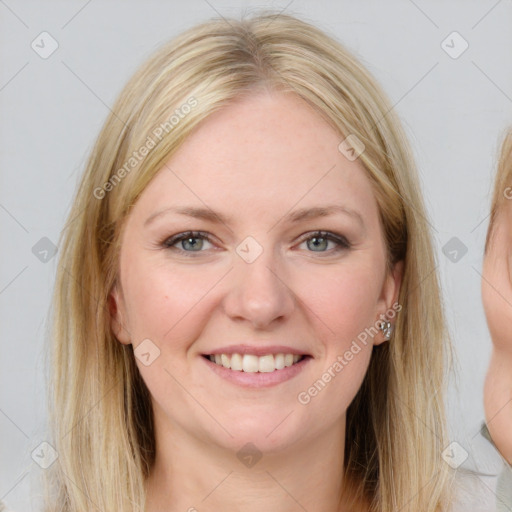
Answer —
(256, 160)
(497, 300)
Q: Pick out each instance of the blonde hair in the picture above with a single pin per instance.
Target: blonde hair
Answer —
(100, 409)
(502, 183)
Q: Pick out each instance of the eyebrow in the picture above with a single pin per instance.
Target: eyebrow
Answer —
(292, 217)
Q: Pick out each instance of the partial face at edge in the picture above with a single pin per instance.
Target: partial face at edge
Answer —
(261, 280)
(497, 279)
(497, 301)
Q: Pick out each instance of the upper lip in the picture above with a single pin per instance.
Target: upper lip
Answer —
(257, 350)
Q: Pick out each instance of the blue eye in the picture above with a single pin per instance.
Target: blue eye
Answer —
(189, 242)
(325, 237)
(187, 239)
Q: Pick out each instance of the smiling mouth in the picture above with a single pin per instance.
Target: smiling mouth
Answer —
(250, 363)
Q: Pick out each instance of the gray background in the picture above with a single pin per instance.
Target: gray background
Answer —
(454, 112)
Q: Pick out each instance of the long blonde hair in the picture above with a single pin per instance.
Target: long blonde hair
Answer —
(100, 409)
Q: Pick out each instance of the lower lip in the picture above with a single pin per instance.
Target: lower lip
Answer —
(258, 379)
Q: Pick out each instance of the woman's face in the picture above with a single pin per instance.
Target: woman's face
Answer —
(263, 288)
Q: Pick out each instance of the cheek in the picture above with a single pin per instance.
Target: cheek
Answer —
(170, 307)
(496, 293)
(345, 301)
(345, 313)
(163, 300)
(498, 314)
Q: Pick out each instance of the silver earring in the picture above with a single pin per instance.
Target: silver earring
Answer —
(387, 328)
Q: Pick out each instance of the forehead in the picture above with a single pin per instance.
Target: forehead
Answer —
(265, 151)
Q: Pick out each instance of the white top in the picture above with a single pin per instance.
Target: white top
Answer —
(484, 480)
(484, 493)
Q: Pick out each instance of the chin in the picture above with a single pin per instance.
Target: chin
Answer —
(270, 432)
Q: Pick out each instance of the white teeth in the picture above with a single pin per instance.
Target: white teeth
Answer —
(225, 360)
(236, 362)
(251, 364)
(266, 364)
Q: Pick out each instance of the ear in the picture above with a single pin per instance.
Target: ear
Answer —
(118, 315)
(389, 297)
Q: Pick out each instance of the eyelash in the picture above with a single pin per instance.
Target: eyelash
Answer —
(168, 243)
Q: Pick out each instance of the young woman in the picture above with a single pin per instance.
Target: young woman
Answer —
(247, 314)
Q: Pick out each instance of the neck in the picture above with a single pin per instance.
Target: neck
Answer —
(305, 476)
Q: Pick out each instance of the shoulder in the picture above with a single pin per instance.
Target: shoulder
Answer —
(484, 484)
(474, 491)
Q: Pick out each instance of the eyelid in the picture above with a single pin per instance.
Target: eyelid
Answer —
(329, 235)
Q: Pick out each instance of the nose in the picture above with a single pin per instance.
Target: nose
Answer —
(259, 292)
